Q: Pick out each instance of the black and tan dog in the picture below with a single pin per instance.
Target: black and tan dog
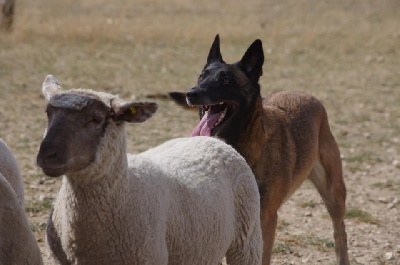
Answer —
(285, 138)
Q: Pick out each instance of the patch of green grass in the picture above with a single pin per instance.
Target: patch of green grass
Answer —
(390, 185)
(380, 185)
(38, 227)
(363, 157)
(357, 161)
(38, 206)
(282, 224)
(342, 121)
(281, 247)
(353, 168)
(322, 244)
(37, 175)
(309, 204)
(364, 117)
(358, 158)
(361, 216)
(355, 262)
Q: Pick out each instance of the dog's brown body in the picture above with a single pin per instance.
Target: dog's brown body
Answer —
(285, 138)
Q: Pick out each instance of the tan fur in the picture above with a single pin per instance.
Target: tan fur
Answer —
(288, 141)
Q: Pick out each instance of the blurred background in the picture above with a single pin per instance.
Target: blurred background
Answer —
(346, 53)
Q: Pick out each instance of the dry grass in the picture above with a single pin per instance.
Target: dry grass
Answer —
(344, 52)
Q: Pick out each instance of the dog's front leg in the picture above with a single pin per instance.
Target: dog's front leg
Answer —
(269, 220)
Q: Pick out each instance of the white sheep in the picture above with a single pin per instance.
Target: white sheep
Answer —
(7, 14)
(187, 201)
(10, 170)
(17, 242)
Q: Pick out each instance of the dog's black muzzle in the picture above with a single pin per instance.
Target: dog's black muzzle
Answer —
(197, 96)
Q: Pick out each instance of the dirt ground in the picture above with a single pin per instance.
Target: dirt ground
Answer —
(346, 53)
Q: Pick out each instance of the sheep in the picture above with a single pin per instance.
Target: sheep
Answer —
(10, 170)
(17, 241)
(7, 11)
(187, 201)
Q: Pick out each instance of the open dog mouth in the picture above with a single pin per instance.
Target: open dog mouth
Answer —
(214, 117)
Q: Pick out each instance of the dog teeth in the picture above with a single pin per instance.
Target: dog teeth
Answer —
(221, 117)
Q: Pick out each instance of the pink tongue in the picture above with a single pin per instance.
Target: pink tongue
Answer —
(206, 124)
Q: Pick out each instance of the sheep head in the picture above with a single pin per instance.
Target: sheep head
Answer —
(77, 122)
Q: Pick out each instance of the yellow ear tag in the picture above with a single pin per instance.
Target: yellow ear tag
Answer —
(133, 110)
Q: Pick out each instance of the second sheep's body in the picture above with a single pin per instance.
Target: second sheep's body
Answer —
(18, 245)
(187, 201)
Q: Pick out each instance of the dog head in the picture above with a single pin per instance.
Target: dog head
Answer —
(225, 92)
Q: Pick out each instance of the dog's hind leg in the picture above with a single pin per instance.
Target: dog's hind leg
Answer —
(327, 177)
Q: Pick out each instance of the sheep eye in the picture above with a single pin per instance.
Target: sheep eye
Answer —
(95, 119)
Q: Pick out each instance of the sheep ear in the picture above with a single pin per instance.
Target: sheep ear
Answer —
(50, 87)
(133, 111)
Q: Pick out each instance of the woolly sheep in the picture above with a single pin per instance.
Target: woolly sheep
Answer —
(17, 243)
(7, 14)
(187, 201)
(10, 170)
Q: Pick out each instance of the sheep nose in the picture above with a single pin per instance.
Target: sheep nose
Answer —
(51, 155)
(46, 155)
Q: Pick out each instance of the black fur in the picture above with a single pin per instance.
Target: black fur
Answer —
(235, 84)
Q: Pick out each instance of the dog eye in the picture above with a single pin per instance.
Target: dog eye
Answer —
(225, 80)
(201, 77)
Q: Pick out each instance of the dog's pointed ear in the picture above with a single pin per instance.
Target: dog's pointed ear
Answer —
(215, 53)
(253, 61)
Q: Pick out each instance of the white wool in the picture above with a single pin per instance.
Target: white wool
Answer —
(17, 242)
(79, 98)
(187, 201)
(10, 170)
